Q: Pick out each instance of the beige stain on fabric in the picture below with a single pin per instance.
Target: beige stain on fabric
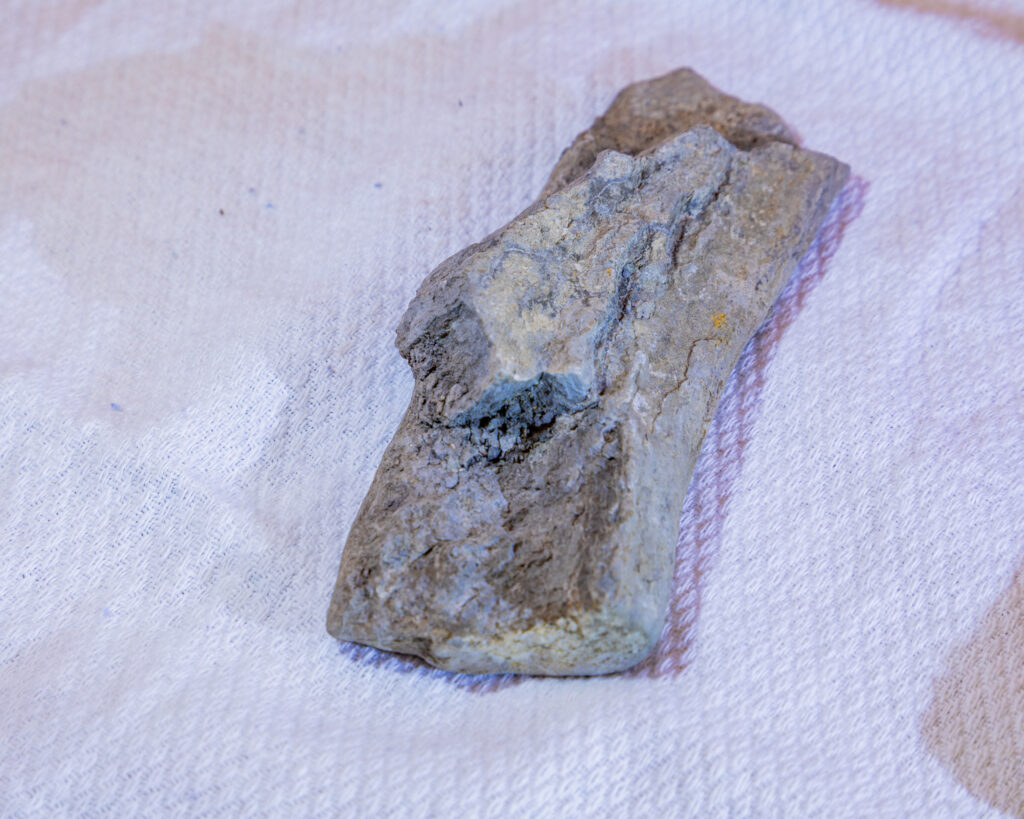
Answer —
(146, 186)
(50, 21)
(975, 722)
(988, 19)
(178, 203)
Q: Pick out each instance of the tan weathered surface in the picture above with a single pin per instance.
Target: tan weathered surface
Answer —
(524, 515)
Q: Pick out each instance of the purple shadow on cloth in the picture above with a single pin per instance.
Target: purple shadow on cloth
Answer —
(721, 458)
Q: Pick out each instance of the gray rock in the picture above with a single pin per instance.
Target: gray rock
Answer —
(524, 517)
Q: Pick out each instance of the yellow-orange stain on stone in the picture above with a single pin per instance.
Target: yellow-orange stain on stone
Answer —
(718, 319)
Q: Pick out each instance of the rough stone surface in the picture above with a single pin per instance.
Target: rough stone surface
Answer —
(525, 514)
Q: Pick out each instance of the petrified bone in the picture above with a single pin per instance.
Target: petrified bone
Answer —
(524, 516)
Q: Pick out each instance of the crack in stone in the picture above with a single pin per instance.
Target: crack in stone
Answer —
(685, 377)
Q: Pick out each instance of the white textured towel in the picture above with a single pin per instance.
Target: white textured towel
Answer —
(212, 216)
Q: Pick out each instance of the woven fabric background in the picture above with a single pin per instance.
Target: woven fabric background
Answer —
(212, 216)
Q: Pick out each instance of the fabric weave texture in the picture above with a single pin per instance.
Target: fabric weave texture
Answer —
(213, 217)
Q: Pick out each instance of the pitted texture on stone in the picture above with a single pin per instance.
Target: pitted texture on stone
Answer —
(523, 517)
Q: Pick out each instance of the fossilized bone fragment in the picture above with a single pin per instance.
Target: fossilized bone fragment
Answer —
(524, 516)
